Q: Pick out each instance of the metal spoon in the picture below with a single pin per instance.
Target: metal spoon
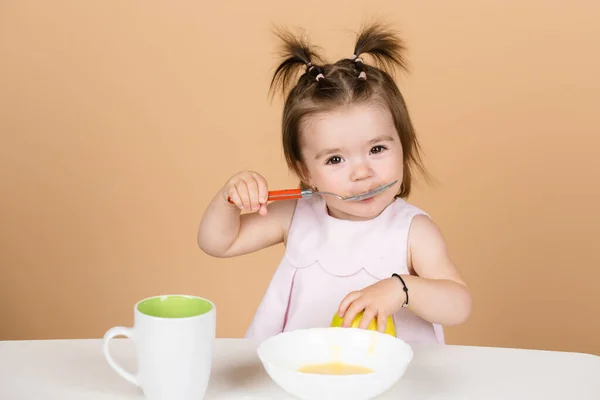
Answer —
(304, 193)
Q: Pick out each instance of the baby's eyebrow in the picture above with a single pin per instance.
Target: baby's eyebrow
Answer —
(325, 152)
(381, 138)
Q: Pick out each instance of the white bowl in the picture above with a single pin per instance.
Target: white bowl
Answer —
(387, 356)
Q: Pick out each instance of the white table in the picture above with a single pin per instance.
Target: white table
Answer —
(76, 369)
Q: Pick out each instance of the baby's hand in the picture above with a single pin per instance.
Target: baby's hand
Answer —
(380, 300)
(248, 191)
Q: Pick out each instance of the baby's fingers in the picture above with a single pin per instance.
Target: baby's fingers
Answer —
(242, 190)
(356, 307)
(262, 210)
(345, 303)
(263, 189)
(234, 197)
(253, 195)
(382, 322)
(366, 318)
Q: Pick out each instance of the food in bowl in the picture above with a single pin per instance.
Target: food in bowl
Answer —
(334, 368)
(332, 363)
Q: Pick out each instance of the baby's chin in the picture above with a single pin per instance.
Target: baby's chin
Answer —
(363, 210)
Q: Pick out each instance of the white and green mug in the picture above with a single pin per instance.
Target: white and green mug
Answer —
(173, 337)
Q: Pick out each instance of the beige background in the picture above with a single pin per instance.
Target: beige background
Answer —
(120, 120)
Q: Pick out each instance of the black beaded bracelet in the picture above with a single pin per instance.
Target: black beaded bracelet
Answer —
(405, 289)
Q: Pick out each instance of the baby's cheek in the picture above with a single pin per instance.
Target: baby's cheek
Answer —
(332, 183)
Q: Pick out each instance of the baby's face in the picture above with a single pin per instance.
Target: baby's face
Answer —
(350, 151)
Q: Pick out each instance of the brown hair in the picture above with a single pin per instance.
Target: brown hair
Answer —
(324, 87)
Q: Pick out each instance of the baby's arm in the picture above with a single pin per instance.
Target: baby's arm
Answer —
(438, 294)
(225, 232)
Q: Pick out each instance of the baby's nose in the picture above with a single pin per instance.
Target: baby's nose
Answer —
(361, 171)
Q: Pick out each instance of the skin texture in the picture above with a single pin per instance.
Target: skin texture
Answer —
(348, 151)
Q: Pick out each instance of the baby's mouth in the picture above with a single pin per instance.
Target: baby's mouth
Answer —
(373, 187)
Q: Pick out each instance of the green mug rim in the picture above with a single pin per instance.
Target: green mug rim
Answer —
(202, 315)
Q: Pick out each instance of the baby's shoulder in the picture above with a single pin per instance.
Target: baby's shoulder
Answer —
(402, 208)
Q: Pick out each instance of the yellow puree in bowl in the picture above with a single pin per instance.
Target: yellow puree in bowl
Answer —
(334, 368)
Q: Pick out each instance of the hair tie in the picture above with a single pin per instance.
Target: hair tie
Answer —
(362, 74)
(319, 77)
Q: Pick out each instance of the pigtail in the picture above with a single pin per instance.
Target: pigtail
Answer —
(383, 45)
(297, 53)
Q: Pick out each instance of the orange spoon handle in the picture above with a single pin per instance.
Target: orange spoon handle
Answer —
(286, 194)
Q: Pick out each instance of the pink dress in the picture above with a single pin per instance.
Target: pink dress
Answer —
(326, 258)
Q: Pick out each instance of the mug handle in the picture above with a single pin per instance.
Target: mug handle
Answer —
(108, 336)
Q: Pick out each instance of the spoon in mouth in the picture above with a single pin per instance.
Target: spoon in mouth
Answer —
(304, 193)
(370, 193)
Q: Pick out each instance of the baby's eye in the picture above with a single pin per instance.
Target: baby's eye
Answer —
(334, 160)
(378, 149)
